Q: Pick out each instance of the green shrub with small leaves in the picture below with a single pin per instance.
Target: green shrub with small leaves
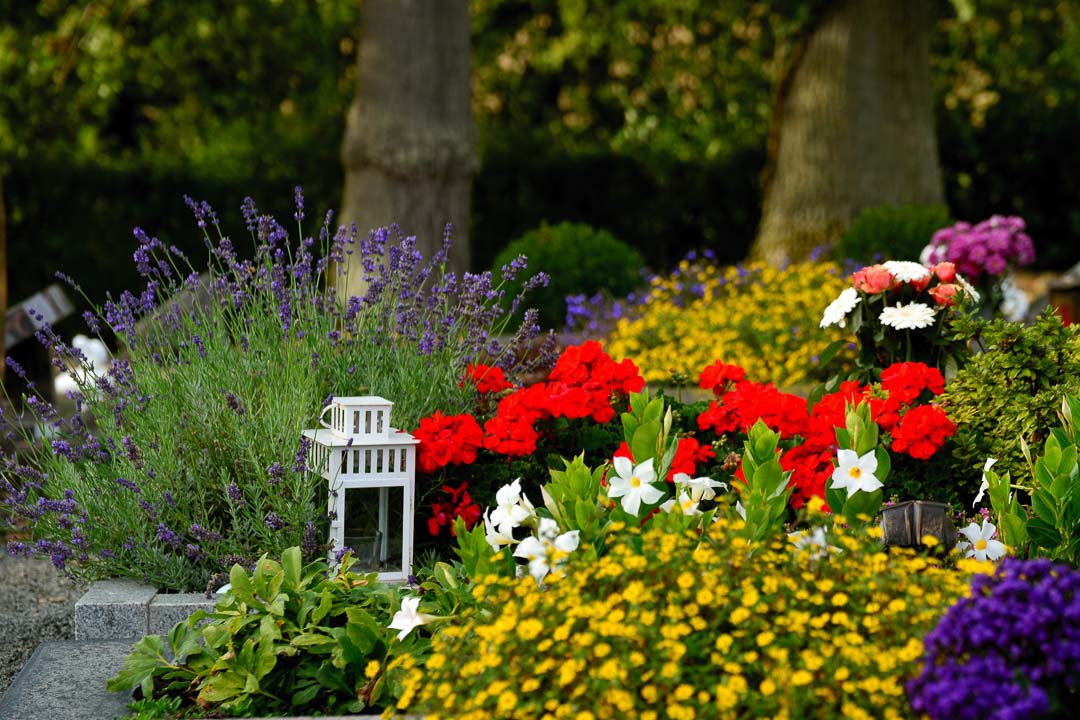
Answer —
(1011, 390)
(579, 259)
(896, 232)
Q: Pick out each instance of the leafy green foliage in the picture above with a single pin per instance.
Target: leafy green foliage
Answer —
(891, 232)
(1050, 527)
(766, 494)
(285, 639)
(860, 434)
(579, 259)
(1009, 392)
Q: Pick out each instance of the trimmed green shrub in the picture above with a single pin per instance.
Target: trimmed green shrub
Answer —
(1010, 391)
(896, 232)
(579, 258)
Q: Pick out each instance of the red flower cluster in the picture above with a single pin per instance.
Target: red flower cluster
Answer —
(584, 379)
(918, 430)
(447, 440)
(487, 379)
(922, 430)
(719, 376)
(458, 504)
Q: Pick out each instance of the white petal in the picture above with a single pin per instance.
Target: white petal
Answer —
(624, 467)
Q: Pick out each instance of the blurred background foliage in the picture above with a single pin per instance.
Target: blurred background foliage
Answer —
(647, 119)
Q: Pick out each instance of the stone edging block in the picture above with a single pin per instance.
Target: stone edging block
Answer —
(128, 610)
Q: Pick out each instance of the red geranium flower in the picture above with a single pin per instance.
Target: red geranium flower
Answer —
(718, 377)
(922, 431)
(689, 453)
(905, 381)
(486, 378)
(447, 440)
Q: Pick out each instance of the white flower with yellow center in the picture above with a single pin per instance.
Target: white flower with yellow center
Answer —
(913, 316)
(854, 473)
(684, 504)
(980, 543)
(837, 311)
(906, 271)
(634, 484)
(699, 488)
(495, 537)
(549, 550)
(408, 618)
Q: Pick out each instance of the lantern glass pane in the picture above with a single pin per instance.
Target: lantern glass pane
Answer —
(373, 528)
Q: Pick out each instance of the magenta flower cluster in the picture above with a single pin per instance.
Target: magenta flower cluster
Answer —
(990, 247)
(1011, 650)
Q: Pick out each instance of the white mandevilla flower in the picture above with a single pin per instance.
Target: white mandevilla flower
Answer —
(837, 311)
(913, 316)
(813, 542)
(700, 488)
(985, 485)
(684, 504)
(854, 473)
(494, 536)
(740, 509)
(548, 551)
(980, 542)
(906, 271)
(408, 618)
(508, 513)
(634, 485)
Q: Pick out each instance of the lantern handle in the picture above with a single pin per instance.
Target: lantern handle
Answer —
(322, 417)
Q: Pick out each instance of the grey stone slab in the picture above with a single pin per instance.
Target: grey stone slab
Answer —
(168, 609)
(113, 610)
(65, 680)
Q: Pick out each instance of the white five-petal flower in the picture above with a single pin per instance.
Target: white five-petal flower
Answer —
(700, 488)
(980, 542)
(906, 271)
(509, 513)
(837, 311)
(813, 542)
(408, 618)
(634, 484)
(854, 473)
(547, 551)
(985, 485)
(495, 537)
(913, 316)
(684, 504)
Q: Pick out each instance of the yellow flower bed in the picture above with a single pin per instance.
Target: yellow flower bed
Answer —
(756, 316)
(669, 626)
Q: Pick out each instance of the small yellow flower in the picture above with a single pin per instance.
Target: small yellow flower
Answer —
(372, 669)
(801, 677)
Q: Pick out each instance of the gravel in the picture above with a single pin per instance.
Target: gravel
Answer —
(37, 603)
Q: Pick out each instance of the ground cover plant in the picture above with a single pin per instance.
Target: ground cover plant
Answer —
(751, 315)
(185, 457)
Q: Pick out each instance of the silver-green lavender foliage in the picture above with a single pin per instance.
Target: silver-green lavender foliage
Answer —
(185, 457)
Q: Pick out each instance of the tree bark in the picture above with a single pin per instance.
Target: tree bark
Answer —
(3, 275)
(410, 140)
(853, 127)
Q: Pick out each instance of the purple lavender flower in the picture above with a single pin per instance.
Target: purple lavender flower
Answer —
(235, 494)
(273, 521)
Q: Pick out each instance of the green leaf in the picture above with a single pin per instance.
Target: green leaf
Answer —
(146, 656)
(325, 603)
(304, 696)
(835, 499)
(1043, 534)
(290, 564)
(444, 574)
(240, 585)
(863, 503)
(223, 686)
(643, 444)
(1042, 502)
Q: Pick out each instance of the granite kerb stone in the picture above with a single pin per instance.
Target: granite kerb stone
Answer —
(128, 610)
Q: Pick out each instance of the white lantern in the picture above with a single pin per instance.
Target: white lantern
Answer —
(368, 465)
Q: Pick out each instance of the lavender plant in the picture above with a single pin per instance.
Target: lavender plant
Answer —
(185, 457)
(1010, 650)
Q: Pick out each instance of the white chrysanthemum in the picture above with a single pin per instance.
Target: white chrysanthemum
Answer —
(908, 317)
(967, 287)
(836, 313)
(907, 271)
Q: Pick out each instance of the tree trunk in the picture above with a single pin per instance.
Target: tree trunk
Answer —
(410, 141)
(3, 275)
(852, 128)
